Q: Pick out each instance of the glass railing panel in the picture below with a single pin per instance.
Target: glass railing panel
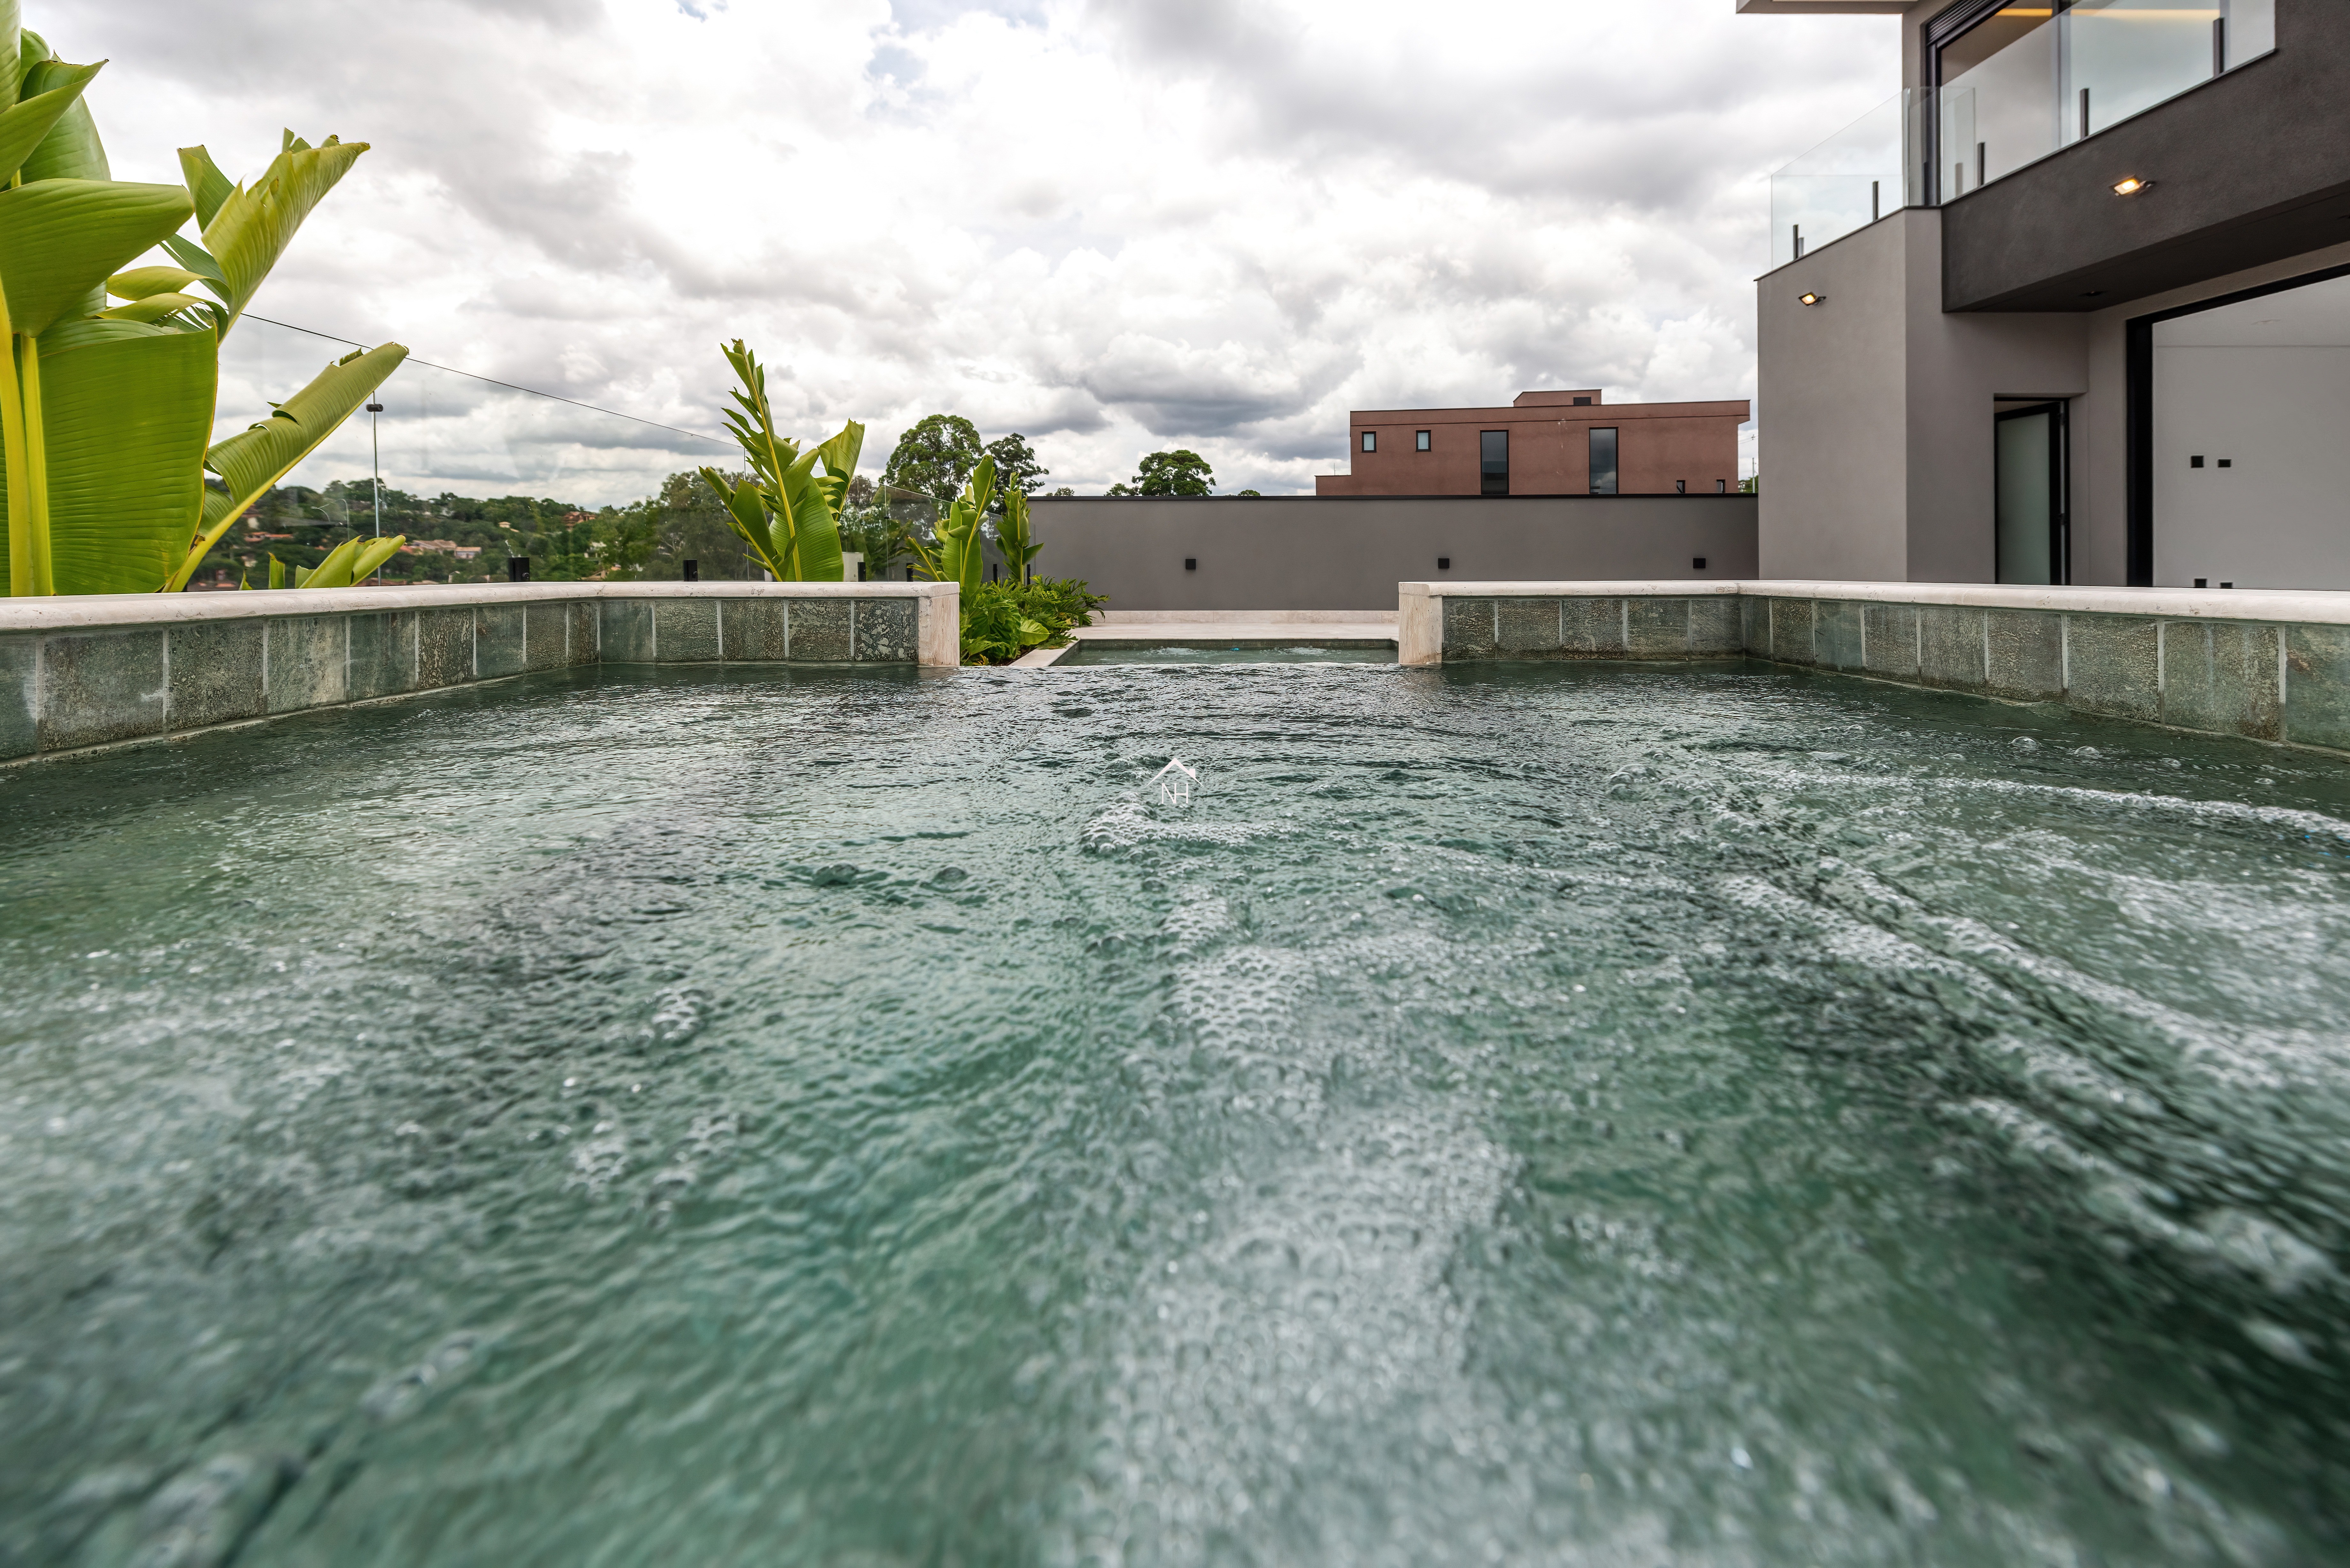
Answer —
(1847, 183)
(2126, 55)
(2252, 30)
(474, 470)
(2001, 112)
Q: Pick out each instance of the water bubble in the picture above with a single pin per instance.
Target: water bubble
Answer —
(1742, 1459)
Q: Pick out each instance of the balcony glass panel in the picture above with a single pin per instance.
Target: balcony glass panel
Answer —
(2001, 93)
(1855, 177)
(2127, 56)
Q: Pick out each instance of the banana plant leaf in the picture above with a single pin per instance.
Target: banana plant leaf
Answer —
(247, 230)
(350, 563)
(258, 457)
(1013, 536)
(60, 240)
(71, 150)
(124, 416)
(144, 282)
(25, 124)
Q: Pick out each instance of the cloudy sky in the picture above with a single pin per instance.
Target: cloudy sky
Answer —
(1114, 225)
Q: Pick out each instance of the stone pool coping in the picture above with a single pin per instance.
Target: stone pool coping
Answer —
(2263, 663)
(102, 670)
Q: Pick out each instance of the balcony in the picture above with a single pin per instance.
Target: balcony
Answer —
(2024, 82)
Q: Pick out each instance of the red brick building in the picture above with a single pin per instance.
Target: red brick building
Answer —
(1546, 443)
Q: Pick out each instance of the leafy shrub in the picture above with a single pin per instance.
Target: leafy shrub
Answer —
(1001, 621)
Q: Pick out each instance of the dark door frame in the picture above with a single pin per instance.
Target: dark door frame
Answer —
(2060, 488)
(2139, 418)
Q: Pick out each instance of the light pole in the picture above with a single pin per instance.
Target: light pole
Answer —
(375, 445)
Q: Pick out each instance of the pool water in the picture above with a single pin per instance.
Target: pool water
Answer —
(1542, 1115)
(1093, 651)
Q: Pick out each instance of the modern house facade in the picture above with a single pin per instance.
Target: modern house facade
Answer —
(1569, 442)
(2073, 306)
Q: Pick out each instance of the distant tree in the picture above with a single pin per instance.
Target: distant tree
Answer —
(935, 457)
(1177, 472)
(860, 493)
(1256, 493)
(1064, 490)
(1121, 489)
(1017, 467)
(626, 538)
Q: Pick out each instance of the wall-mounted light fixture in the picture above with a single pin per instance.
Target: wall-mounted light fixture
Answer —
(2131, 186)
(1808, 300)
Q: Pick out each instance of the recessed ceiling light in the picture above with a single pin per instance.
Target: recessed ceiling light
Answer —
(2131, 186)
(1808, 300)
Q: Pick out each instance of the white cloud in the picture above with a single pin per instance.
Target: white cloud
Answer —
(1114, 226)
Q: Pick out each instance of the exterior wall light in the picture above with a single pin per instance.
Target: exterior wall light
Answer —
(2131, 186)
(1808, 300)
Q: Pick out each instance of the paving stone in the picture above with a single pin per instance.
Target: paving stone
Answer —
(758, 631)
(1527, 626)
(1836, 634)
(20, 696)
(1790, 631)
(685, 632)
(626, 630)
(106, 686)
(217, 672)
(885, 631)
(2112, 664)
(2026, 654)
(1951, 646)
(499, 648)
(1657, 629)
(821, 631)
(2222, 676)
(1890, 640)
(1470, 627)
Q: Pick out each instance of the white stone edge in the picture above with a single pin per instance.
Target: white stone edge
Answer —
(1041, 658)
(98, 611)
(2277, 604)
(1109, 618)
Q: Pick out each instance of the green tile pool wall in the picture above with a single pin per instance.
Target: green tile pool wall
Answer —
(2288, 683)
(64, 690)
(1596, 627)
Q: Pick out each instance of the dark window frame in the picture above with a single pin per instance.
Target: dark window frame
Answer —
(1485, 473)
(1370, 440)
(2060, 491)
(2138, 420)
(1615, 435)
(1422, 441)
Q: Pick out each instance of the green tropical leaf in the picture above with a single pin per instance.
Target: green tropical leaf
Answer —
(25, 124)
(72, 151)
(252, 226)
(258, 457)
(374, 555)
(144, 282)
(124, 422)
(153, 307)
(814, 552)
(60, 239)
(11, 60)
(196, 259)
(206, 183)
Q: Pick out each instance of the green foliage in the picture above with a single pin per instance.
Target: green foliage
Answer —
(104, 412)
(1017, 471)
(1014, 538)
(784, 510)
(349, 563)
(958, 554)
(936, 458)
(1177, 472)
(1001, 621)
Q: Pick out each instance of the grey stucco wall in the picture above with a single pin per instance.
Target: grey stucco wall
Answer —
(1334, 553)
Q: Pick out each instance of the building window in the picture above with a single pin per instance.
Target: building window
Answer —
(1603, 461)
(1583, 402)
(1680, 487)
(1370, 440)
(1419, 441)
(1721, 487)
(1494, 462)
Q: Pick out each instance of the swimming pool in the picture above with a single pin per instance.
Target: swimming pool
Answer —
(1560, 1114)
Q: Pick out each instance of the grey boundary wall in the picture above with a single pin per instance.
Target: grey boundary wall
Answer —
(103, 670)
(2266, 664)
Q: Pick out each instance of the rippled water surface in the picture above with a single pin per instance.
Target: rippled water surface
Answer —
(1545, 1115)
